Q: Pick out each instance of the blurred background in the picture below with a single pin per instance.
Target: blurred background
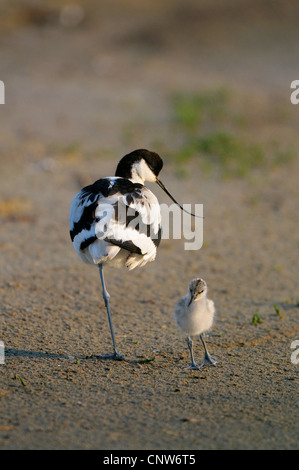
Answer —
(205, 83)
(110, 76)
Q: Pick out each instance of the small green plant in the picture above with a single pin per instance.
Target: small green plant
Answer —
(256, 319)
(22, 381)
(277, 310)
(146, 361)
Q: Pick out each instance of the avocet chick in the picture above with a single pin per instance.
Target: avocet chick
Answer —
(194, 314)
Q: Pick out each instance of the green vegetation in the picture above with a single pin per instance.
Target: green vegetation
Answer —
(222, 150)
(194, 109)
(146, 361)
(277, 310)
(211, 130)
(256, 319)
(22, 382)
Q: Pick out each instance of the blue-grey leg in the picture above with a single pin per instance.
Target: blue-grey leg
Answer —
(106, 297)
(190, 346)
(208, 359)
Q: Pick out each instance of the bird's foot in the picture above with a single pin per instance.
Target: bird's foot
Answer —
(116, 356)
(195, 366)
(119, 357)
(209, 361)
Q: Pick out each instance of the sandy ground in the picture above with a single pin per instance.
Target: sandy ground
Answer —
(77, 99)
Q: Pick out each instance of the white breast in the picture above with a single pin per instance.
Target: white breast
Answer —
(196, 318)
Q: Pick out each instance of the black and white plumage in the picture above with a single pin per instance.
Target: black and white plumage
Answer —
(117, 220)
(194, 315)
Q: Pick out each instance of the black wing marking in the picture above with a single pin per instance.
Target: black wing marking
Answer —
(86, 220)
(89, 196)
(88, 242)
(129, 245)
(126, 245)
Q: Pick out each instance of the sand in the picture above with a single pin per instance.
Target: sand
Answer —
(77, 99)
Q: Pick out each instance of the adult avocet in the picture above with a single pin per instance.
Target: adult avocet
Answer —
(117, 220)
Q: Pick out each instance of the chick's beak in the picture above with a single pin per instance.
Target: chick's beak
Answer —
(191, 298)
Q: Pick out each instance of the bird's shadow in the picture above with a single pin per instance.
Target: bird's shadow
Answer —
(10, 352)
